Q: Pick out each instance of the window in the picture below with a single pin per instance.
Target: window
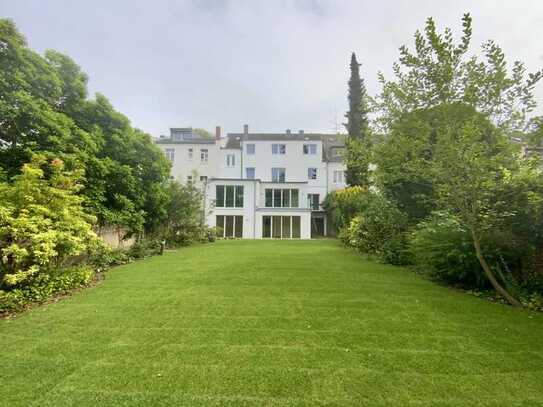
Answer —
(279, 148)
(203, 178)
(191, 153)
(281, 227)
(231, 226)
(338, 177)
(311, 173)
(281, 198)
(203, 154)
(230, 160)
(269, 198)
(229, 196)
(278, 174)
(189, 179)
(277, 198)
(310, 149)
(250, 148)
(250, 172)
(313, 201)
(170, 154)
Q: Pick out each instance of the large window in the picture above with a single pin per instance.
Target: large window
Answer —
(278, 175)
(279, 149)
(204, 155)
(250, 172)
(281, 198)
(310, 149)
(250, 149)
(281, 227)
(229, 196)
(231, 226)
(312, 173)
(170, 154)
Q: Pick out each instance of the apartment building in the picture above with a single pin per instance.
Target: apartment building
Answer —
(260, 185)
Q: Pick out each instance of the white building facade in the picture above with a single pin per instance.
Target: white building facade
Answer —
(260, 185)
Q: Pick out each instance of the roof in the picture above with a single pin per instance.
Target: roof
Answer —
(234, 139)
(331, 145)
(168, 140)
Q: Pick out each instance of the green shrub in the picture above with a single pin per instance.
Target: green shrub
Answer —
(41, 287)
(144, 248)
(378, 230)
(43, 223)
(442, 248)
(102, 256)
(343, 205)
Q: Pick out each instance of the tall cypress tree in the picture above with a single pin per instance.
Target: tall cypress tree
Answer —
(357, 154)
(357, 120)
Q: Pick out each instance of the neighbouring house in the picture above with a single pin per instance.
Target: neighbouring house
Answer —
(260, 185)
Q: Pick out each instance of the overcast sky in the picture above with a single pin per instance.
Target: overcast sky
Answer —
(271, 64)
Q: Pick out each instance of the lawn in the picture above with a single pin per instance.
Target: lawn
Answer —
(262, 323)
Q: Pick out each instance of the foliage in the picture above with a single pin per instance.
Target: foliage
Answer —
(344, 204)
(202, 133)
(439, 71)
(357, 126)
(183, 220)
(443, 248)
(44, 109)
(42, 222)
(41, 287)
(379, 229)
(144, 248)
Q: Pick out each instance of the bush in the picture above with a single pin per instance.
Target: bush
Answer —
(343, 205)
(378, 230)
(442, 248)
(144, 248)
(43, 286)
(43, 224)
(102, 256)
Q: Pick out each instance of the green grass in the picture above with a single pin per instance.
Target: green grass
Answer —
(261, 323)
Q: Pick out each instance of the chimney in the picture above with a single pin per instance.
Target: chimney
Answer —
(301, 132)
(288, 132)
(245, 129)
(217, 133)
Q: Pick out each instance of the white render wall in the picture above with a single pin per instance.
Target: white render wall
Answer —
(182, 166)
(220, 173)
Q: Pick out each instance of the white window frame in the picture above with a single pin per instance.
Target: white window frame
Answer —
(170, 154)
(338, 177)
(247, 172)
(279, 149)
(250, 148)
(189, 179)
(204, 155)
(230, 160)
(191, 153)
(312, 173)
(310, 149)
(278, 174)
(203, 178)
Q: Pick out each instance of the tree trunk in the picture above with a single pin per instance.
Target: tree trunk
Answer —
(490, 275)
